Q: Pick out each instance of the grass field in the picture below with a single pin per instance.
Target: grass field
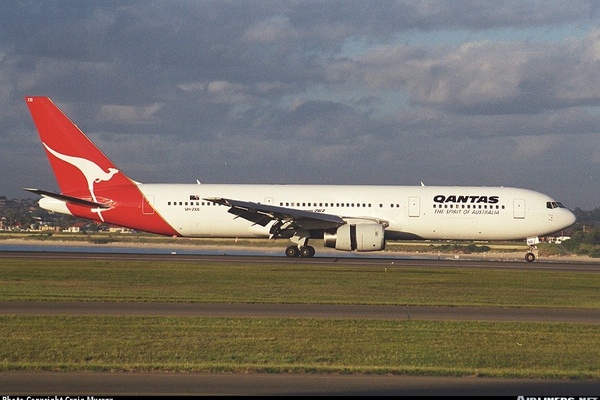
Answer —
(183, 281)
(503, 349)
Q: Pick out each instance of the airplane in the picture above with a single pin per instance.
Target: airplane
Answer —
(359, 218)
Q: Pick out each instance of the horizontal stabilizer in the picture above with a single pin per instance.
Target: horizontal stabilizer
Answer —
(68, 199)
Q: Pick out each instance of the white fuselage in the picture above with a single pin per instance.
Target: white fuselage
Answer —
(411, 212)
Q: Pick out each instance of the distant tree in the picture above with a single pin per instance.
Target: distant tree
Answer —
(587, 217)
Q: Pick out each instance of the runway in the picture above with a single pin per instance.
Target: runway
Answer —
(114, 383)
(431, 313)
(107, 384)
(388, 260)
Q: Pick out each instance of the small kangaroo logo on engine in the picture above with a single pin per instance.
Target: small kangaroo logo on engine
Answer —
(92, 172)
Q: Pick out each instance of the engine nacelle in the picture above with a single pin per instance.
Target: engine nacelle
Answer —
(359, 237)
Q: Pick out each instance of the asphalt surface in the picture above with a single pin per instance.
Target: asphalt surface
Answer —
(302, 311)
(108, 384)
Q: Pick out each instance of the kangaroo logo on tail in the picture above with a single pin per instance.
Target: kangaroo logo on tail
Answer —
(92, 172)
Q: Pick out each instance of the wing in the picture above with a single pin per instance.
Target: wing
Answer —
(262, 214)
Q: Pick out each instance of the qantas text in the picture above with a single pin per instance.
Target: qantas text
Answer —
(440, 198)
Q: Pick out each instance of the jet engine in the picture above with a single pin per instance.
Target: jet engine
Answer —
(359, 237)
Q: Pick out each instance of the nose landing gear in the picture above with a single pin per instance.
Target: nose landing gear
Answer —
(530, 257)
(531, 242)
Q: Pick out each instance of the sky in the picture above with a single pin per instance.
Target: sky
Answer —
(462, 92)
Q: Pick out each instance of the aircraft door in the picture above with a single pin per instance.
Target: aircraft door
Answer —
(414, 206)
(148, 204)
(519, 208)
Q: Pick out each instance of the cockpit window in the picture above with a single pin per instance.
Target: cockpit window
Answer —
(554, 204)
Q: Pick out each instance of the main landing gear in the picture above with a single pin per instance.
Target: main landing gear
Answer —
(299, 237)
(301, 247)
(302, 251)
(530, 255)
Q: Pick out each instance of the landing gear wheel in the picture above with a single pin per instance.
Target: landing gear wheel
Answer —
(530, 257)
(292, 251)
(307, 251)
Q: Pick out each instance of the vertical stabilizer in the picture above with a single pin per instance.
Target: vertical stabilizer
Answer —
(77, 163)
(91, 185)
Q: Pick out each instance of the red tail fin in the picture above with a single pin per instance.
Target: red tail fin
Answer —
(79, 166)
(91, 185)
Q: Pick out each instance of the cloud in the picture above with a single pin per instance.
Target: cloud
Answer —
(484, 78)
(461, 92)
